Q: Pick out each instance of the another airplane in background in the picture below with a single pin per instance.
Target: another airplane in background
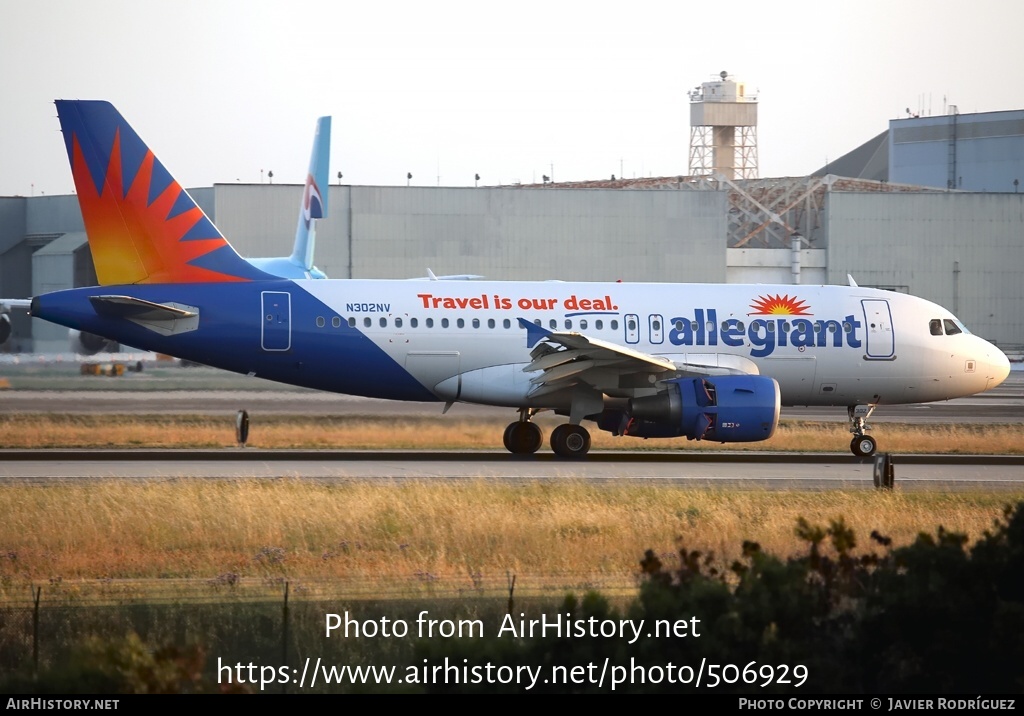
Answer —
(299, 264)
(6, 304)
(704, 361)
(312, 207)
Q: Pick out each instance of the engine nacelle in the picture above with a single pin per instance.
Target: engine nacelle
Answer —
(733, 408)
(5, 328)
(90, 344)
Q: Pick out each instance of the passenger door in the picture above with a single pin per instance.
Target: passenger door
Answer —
(277, 321)
(880, 343)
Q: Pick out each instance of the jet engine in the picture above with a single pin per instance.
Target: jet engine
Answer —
(734, 408)
(90, 344)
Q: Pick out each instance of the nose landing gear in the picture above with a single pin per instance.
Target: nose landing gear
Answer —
(862, 445)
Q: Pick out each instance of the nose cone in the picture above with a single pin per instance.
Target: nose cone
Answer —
(998, 367)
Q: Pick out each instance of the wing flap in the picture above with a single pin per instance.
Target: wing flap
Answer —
(563, 371)
(697, 364)
(552, 359)
(565, 359)
(548, 388)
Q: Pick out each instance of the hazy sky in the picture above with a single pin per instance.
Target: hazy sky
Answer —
(221, 90)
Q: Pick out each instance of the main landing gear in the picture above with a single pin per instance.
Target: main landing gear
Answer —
(570, 440)
(862, 445)
(524, 437)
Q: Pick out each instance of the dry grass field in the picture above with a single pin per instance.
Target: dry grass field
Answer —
(372, 536)
(49, 430)
(456, 534)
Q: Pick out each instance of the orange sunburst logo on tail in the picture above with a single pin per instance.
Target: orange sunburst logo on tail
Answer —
(779, 306)
(142, 226)
(132, 240)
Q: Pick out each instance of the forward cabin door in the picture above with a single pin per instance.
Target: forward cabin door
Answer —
(880, 343)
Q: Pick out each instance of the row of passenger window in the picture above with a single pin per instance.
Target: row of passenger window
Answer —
(583, 324)
(397, 322)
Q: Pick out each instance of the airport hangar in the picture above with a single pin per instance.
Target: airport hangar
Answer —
(929, 207)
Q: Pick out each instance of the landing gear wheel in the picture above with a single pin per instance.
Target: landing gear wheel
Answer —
(570, 441)
(863, 446)
(522, 438)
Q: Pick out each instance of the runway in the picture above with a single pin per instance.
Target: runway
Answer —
(771, 471)
(205, 391)
(147, 394)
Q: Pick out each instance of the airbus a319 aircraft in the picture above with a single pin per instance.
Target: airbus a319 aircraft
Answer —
(704, 361)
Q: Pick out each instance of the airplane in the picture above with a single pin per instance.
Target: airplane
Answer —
(701, 361)
(299, 264)
(313, 206)
(6, 304)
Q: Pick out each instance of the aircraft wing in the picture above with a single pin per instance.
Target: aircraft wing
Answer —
(562, 359)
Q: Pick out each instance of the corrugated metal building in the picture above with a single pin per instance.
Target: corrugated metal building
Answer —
(983, 151)
(962, 250)
(500, 233)
(972, 152)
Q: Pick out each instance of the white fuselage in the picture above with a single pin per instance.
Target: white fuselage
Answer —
(825, 345)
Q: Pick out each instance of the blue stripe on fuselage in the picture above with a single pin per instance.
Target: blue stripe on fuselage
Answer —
(341, 360)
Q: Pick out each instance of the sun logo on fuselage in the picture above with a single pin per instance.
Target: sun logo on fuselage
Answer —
(779, 306)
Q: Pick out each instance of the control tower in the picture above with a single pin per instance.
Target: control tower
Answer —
(723, 129)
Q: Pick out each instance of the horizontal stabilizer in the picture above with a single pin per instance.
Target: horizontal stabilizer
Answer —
(167, 319)
(7, 304)
(137, 309)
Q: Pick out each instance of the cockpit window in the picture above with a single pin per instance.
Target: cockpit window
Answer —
(951, 327)
(935, 326)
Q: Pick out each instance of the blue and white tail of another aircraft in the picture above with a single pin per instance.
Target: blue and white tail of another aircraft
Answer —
(701, 361)
(312, 207)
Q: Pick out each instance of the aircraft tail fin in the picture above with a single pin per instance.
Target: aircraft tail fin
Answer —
(314, 196)
(142, 226)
